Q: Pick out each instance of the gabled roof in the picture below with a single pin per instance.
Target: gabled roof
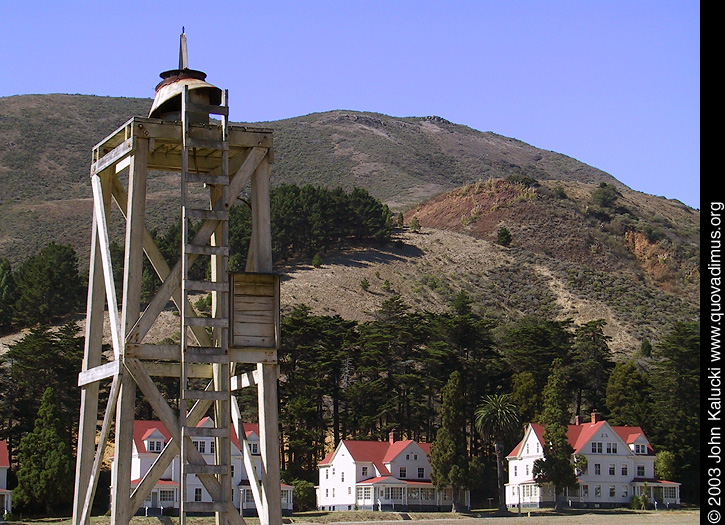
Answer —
(143, 429)
(579, 435)
(379, 453)
(4, 457)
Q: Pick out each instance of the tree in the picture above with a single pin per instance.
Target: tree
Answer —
(7, 295)
(605, 195)
(675, 421)
(556, 467)
(498, 420)
(503, 236)
(592, 364)
(628, 395)
(449, 454)
(48, 284)
(45, 477)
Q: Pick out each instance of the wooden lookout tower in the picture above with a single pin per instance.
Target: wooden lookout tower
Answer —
(215, 161)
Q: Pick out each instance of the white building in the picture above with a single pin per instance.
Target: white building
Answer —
(149, 439)
(620, 464)
(6, 496)
(375, 475)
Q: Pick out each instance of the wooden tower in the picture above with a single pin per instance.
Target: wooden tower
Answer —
(222, 160)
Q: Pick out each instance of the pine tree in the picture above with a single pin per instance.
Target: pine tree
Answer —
(449, 454)
(45, 477)
(556, 467)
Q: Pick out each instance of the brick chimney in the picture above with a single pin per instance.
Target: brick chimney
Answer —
(596, 417)
(577, 420)
(393, 436)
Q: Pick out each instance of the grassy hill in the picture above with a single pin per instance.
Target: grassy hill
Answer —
(635, 263)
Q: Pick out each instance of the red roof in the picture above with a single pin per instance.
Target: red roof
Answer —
(142, 429)
(376, 452)
(579, 435)
(4, 458)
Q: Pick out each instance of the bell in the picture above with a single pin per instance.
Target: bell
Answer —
(167, 103)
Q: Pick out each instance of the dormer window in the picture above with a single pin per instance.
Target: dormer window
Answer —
(640, 449)
(154, 445)
(254, 448)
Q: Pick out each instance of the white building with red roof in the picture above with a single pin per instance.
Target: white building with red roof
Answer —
(6, 496)
(375, 475)
(150, 438)
(620, 464)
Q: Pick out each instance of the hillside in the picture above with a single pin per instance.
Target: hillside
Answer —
(46, 141)
(634, 263)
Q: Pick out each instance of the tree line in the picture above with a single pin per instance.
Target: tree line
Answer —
(411, 371)
(361, 380)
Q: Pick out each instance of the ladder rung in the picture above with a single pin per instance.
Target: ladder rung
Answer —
(213, 395)
(206, 286)
(206, 432)
(206, 250)
(207, 214)
(207, 321)
(192, 468)
(203, 178)
(205, 506)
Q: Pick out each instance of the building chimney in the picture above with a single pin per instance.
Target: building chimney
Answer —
(596, 417)
(393, 436)
(577, 420)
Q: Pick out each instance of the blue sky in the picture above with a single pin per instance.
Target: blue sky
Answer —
(614, 84)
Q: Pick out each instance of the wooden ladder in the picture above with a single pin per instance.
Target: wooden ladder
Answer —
(192, 352)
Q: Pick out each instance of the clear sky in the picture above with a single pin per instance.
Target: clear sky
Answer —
(612, 83)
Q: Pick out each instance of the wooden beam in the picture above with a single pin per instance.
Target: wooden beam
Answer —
(104, 245)
(91, 358)
(99, 373)
(132, 269)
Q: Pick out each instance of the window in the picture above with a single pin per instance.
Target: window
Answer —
(596, 447)
(611, 448)
(611, 469)
(670, 492)
(624, 491)
(597, 469)
(349, 490)
(516, 468)
(612, 491)
(527, 469)
(407, 457)
(200, 446)
(364, 471)
(232, 472)
(415, 456)
(342, 476)
(249, 497)
(166, 495)
(597, 491)
(197, 494)
(403, 472)
(527, 448)
(640, 449)
(585, 491)
(327, 473)
(327, 492)
(285, 496)
(254, 448)
(396, 492)
(640, 471)
(212, 446)
(624, 469)
(421, 472)
(155, 446)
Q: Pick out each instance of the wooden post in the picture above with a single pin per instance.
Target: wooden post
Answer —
(91, 359)
(133, 266)
(267, 386)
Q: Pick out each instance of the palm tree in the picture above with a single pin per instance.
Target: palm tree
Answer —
(498, 421)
